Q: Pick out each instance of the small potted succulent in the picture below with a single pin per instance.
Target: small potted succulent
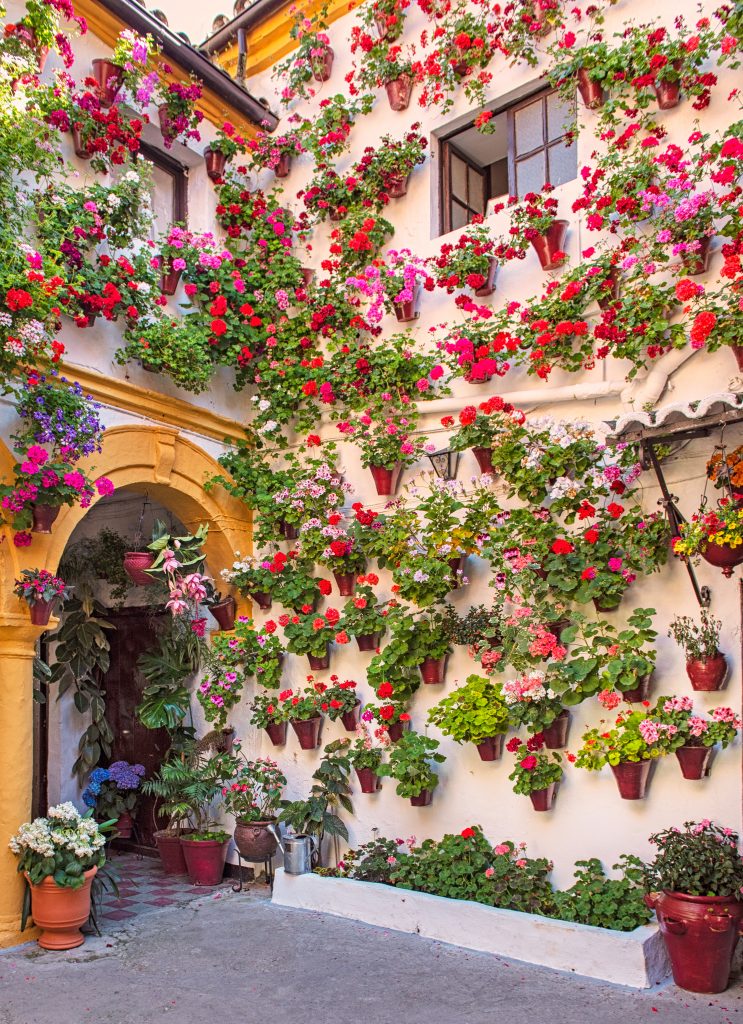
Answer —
(475, 712)
(706, 666)
(41, 591)
(365, 754)
(535, 773)
(410, 765)
(113, 793)
(695, 885)
(253, 794)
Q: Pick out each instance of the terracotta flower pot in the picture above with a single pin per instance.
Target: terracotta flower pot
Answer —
(700, 933)
(369, 641)
(738, 353)
(668, 94)
(382, 28)
(205, 859)
(406, 311)
(43, 517)
(433, 669)
(542, 799)
(456, 565)
(352, 718)
(399, 92)
(489, 285)
(40, 612)
(124, 826)
(591, 92)
(277, 733)
(108, 78)
(318, 663)
(556, 734)
(224, 613)
(215, 163)
(386, 480)
(79, 147)
(322, 67)
(308, 276)
(722, 556)
(423, 799)
(308, 732)
(135, 562)
(550, 243)
(254, 840)
(632, 778)
(284, 166)
(484, 458)
(707, 673)
(397, 186)
(288, 530)
(345, 581)
(641, 691)
(169, 280)
(694, 761)
(696, 263)
(396, 730)
(491, 749)
(612, 292)
(605, 605)
(262, 598)
(171, 852)
(60, 912)
(226, 741)
(368, 780)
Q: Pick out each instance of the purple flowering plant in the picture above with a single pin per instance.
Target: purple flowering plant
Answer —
(114, 791)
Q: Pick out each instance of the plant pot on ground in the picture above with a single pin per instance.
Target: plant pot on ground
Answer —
(205, 855)
(256, 840)
(171, 852)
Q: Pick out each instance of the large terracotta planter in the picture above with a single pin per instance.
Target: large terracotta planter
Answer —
(308, 732)
(262, 598)
(556, 734)
(135, 563)
(205, 859)
(542, 799)
(352, 718)
(40, 612)
(641, 691)
(369, 781)
(694, 761)
(108, 78)
(707, 673)
(43, 516)
(591, 92)
(60, 912)
(171, 852)
(696, 263)
(550, 243)
(700, 933)
(277, 733)
(484, 458)
(632, 778)
(124, 826)
(224, 613)
(318, 663)
(386, 480)
(215, 164)
(491, 749)
(423, 799)
(488, 286)
(433, 669)
(668, 94)
(254, 840)
(369, 641)
(722, 556)
(399, 92)
(323, 67)
(396, 730)
(345, 581)
(284, 166)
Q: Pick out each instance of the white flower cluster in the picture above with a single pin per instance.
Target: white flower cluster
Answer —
(64, 827)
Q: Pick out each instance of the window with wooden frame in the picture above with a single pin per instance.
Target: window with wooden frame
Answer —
(527, 148)
(169, 190)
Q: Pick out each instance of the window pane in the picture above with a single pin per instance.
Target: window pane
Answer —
(163, 192)
(563, 163)
(560, 115)
(458, 177)
(530, 174)
(528, 125)
(499, 179)
(477, 191)
(458, 216)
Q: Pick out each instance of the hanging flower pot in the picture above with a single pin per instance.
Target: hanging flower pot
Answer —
(323, 66)
(542, 799)
(77, 144)
(352, 718)
(60, 911)
(591, 92)
(641, 691)
(40, 612)
(738, 353)
(225, 740)
(722, 556)
(433, 669)
(288, 530)
(604, 605)
(668, 94)
(277, 733)
(169, 280)
(694, 761)
(171, 852)
(368, 780)
(369, 641)
(386, 480)
(406, 311)
(345, 582)
(395, 731)
(697, 262)
(135, 563)
(108, 79)
(423, 799)
(308, 276)
(456, 565)
(124, 826)
(396, 185)
(308, 732)
(489, 286)
(491, 749)
(215, 163)
(43, 516)
(707, 673)
(382, 27)
(484, 458)
(556, 734)
(319, 663)
(255, 840)
(263, 599)
(612, 293)
(632, 778)
(544, 25)
(224, 613)
(550, 243)
(284, 166)
(205, 859)
(700, 933)
(399, 92)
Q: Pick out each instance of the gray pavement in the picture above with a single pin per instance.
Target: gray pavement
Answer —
(236, 958)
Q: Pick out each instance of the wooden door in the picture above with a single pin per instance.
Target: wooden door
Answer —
(136, 632)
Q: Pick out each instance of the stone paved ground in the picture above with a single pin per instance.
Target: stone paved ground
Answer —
(221, 955)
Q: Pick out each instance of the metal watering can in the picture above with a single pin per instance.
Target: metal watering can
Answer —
(299, 852)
